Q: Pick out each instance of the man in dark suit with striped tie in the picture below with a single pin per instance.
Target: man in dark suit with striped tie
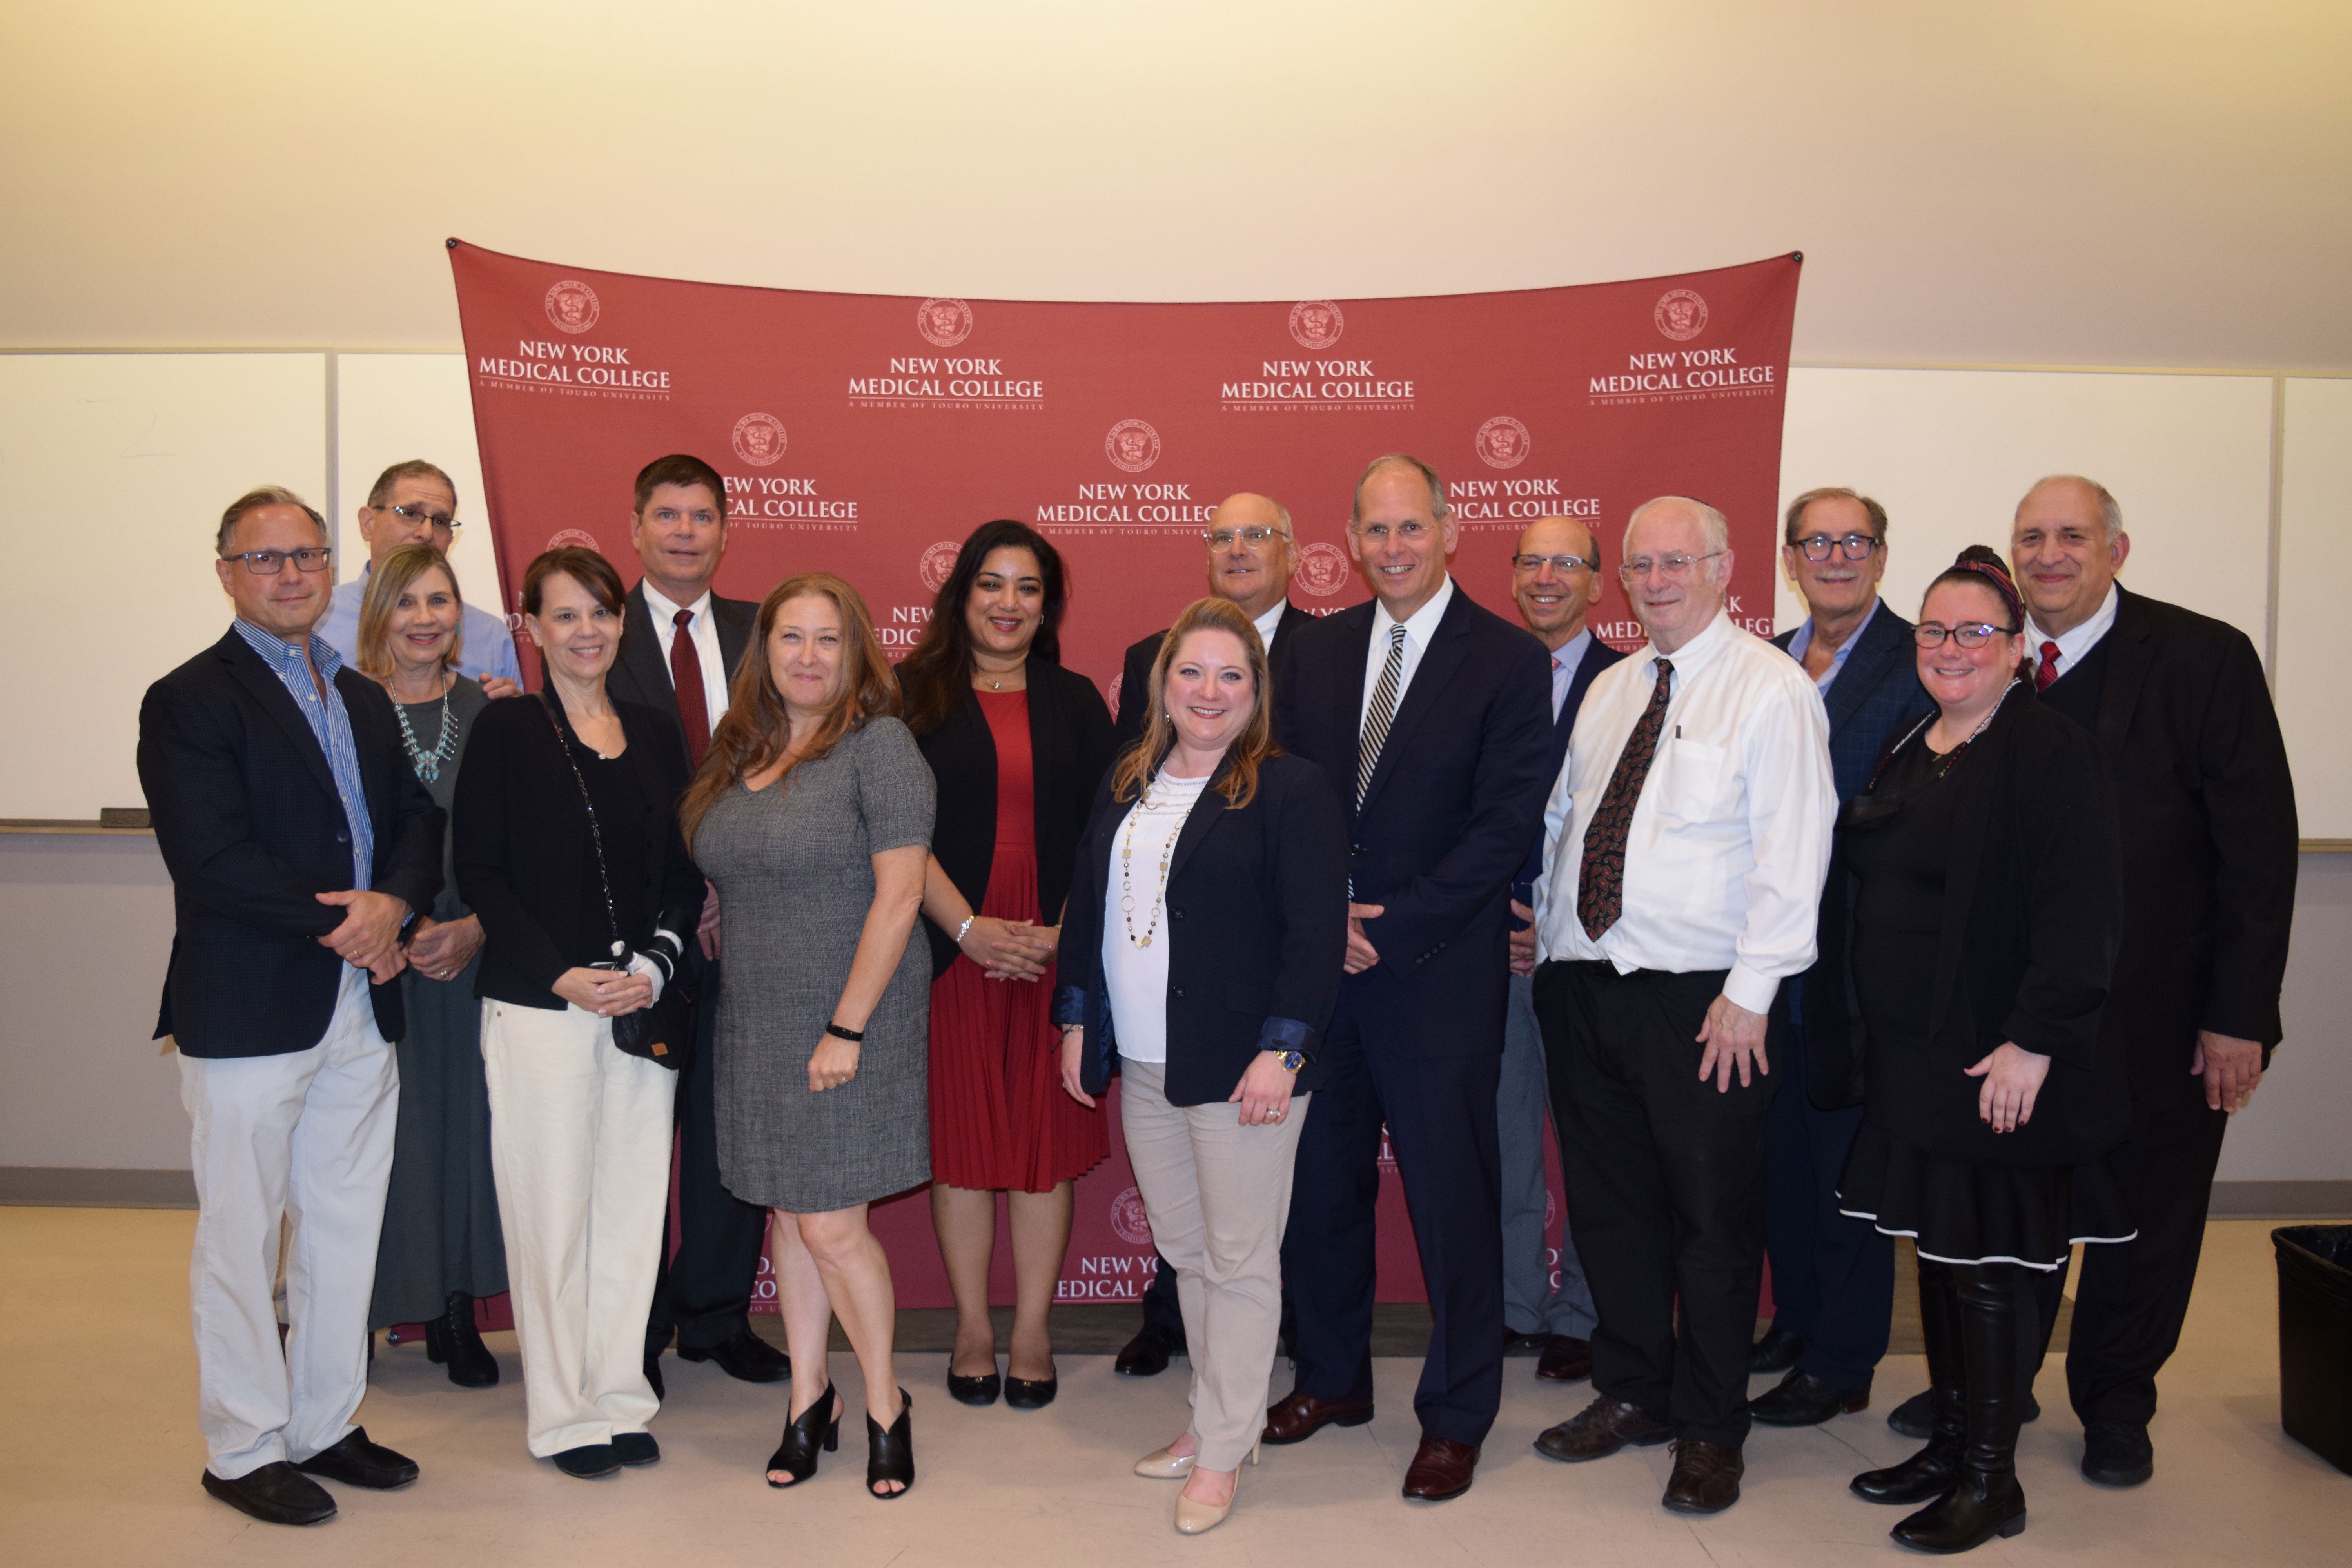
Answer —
(1832, 1276)
(1433, 717)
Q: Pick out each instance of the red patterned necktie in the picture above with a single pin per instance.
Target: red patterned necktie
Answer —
(2049, 670)
(1601, 882)
(685, 674)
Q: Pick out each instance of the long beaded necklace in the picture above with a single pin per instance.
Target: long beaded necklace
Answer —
(1127, 866)
(428, 763)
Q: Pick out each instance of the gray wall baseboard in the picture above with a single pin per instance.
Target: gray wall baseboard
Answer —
(2281, 1200)
(70, 1186)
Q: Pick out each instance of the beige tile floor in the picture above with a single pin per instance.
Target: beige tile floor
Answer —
(99, 1456)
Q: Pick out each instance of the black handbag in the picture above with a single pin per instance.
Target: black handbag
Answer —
(663, 1033)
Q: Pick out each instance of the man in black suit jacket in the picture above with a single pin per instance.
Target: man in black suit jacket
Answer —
(2178, 703)
(680, 645)
(1251, 555)
(1431, 716)
(1556, 581)
(1833, 1275)
(301, 847)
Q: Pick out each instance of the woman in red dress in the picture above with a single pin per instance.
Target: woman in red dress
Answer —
(1017, 745)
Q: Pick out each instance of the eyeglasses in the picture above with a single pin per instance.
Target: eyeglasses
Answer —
(1378, 532)
(1673, 568)
(269, 563)
(1854, 546)
(1558, 564)
(1927, 634)
(1256, 538)
(440, 519)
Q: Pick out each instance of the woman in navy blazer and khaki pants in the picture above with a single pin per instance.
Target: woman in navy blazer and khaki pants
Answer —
(1201, 955)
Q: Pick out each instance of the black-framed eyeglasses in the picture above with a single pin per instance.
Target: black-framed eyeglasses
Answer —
(1973, 635)
(1854, 546)
(1256, 538)
(1558, 564)
(270, 563)
(440, 519)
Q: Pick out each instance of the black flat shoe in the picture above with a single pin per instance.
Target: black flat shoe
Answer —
(589, 1461)
(796, 1454)
(635, 1448)
(2116, 1454)
(356, 1462)
(746, 1356)
(276, 1493)
(451, 1340)
(975, 1391)
(890, 1456)
(1032, 1392)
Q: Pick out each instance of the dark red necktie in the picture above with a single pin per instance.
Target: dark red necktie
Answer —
(685, 674)
(1601, 880)
(2049, 670)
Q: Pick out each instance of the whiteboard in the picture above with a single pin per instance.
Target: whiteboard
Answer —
(390, 408)
(130, 459)
(1951, 452)
(2315, 634)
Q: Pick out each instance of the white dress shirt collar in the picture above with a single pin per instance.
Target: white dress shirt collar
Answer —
(664, 610)
(1565, 659)
(1695, 655)
(1267, 622)
(2074, 646)
(1419, 627)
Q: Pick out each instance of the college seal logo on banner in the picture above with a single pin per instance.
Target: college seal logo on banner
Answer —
(1127, 1220)
(1317, 323)
(1503, 442)
(943, 322)
(579, 537)
(572, 306)
(938, 564)
(759, 439)
(1681, 315)
(1322, 569)
(1132, 446)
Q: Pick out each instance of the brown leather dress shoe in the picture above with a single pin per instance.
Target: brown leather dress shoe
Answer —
(1565, 1358)
(1705, 1478)
(1440, 1469)
(1600, 1429)
(1299, 1415)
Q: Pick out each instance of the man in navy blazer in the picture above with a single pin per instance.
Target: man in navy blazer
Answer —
(301, 847)
(1556, 581)
(1432, 717)
(1833, 1277)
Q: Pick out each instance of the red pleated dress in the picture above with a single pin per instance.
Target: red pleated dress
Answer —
(1000, 1119)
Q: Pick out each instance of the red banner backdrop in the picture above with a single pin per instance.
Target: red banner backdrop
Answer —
(866, 434)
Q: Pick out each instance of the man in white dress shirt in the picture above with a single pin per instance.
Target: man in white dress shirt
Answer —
(1685, 843)
(416, 504)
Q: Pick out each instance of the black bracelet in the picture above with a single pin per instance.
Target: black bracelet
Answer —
(838, 1033)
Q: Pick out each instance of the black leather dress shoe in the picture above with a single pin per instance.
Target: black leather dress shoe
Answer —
(1565, 1358)
(2116, 1453)
(1298, 1416)
(356, 1462)
(1915, 1416)
(1705, 1478)
(1599, 1430)
(1776, 1352)
(589, 1461)
(1147, 1354)
(635, 1448)
(275, 1494)
(746, 1356)
(1803, 1400)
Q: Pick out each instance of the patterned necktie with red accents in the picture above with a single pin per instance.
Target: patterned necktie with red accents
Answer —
(1601, 880)
(2048, 672)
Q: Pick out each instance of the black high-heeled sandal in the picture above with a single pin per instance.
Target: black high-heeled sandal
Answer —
(890, 1456)
(796, 1456)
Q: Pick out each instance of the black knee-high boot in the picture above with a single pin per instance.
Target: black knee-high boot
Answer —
(1985, 1499)
(1931, 1472)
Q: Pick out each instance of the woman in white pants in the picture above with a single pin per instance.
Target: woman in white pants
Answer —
(1201, 955)
(568, 849)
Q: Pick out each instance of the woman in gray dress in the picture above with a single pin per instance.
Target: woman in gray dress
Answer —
(811, 815)
(441, 1248)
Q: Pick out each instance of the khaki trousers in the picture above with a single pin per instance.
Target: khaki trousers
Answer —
(1218, 1195)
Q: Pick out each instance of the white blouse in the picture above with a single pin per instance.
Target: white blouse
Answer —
(1135, 976)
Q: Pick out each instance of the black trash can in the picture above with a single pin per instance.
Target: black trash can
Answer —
(2315, 1270)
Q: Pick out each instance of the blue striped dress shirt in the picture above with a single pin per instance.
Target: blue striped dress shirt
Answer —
(330, 725)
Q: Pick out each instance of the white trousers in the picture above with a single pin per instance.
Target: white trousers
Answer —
(580, 1141)
(1218, 1196)
(304, 1138)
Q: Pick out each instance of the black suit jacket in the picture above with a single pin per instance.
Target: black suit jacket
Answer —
(1135, 672)
(1598, 657)
(1875, 695)
(524, 856)
(2208, 836)
(640, 671)
(1256, 926)
(1444, 826)
(251, 828)
(1069, 751)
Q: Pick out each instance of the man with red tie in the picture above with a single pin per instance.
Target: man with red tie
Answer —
(680, 644)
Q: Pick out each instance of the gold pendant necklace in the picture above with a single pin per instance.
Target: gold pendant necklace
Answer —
(1127, 866)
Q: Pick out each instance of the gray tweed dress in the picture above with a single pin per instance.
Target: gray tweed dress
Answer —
(795, 881)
